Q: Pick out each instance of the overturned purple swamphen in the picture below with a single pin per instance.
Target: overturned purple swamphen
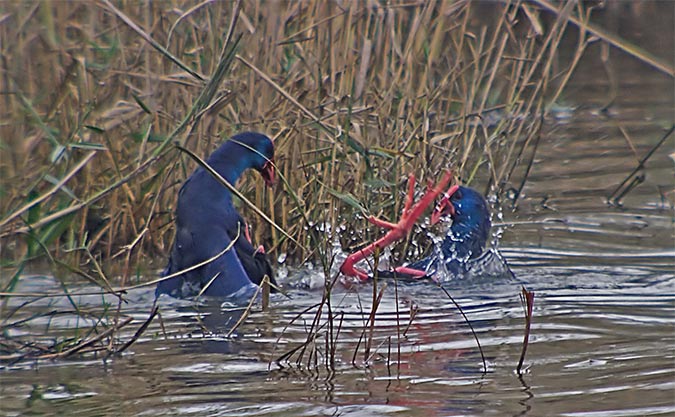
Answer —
(466, 238)
(207, 224)
(462, 247)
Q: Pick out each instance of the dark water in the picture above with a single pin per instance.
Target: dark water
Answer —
(602, 344)
(603, 334)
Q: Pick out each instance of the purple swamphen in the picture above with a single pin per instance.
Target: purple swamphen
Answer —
(463, 246)
(398, 230)
(466, 238)
(207, 223)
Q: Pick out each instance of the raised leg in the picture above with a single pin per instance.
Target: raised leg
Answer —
(410, 271)
(445, 206)
(411, 213)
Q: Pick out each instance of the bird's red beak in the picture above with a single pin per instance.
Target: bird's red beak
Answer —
(268, 173)
(445, 206)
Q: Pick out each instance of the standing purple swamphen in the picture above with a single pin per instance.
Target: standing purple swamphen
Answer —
(207, 223)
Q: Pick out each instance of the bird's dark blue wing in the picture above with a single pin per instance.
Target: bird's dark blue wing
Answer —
(194, 245)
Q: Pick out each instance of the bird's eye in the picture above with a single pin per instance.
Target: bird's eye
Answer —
(457, 195)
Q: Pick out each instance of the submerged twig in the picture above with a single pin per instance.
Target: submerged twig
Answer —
(247, 311)
(291, 352)
(618, 193)
(377, 299)
(466, 319)
(527, 298)
(83, 346)
(140, 330)
(530, 163)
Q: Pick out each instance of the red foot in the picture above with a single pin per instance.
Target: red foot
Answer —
(411, 213)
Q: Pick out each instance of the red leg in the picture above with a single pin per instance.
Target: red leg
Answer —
(416, 273)
(444, 206)
(382, 223)
(247, 233)
(411, 213)
(410, 197)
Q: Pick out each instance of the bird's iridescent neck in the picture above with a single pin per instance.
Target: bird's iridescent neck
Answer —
(229, 165)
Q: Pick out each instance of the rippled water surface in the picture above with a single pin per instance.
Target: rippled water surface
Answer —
(603, 333)
(602, 343)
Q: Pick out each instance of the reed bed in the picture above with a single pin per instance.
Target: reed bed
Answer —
(357, 95)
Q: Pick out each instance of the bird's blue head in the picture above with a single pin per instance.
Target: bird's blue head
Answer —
(470, 218)
(245, 150)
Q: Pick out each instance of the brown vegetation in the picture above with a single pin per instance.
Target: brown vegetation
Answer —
(356, 96)
(97, 95)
